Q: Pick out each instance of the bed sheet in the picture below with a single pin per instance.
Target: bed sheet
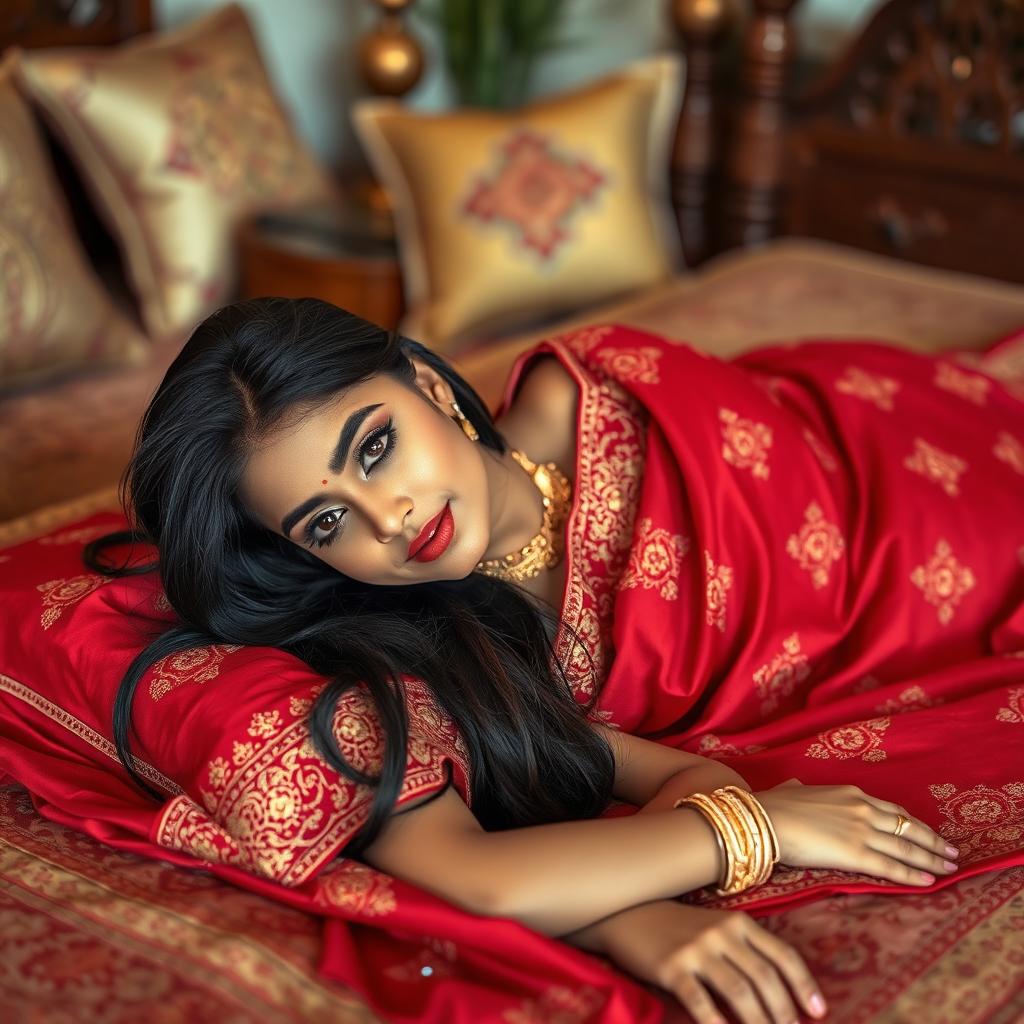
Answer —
(88, 933)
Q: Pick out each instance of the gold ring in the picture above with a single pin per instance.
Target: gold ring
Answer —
(901, 825)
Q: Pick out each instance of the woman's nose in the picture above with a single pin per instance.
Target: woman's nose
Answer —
(388, 519)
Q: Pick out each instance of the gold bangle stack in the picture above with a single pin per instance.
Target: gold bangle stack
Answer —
(744, 833)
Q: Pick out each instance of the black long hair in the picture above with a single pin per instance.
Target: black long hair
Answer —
(485, 648)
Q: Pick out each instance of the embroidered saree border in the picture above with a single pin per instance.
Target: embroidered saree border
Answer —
(84, 732)
(248, 816)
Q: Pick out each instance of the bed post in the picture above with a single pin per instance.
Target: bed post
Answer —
(754, 162)
(699, 24)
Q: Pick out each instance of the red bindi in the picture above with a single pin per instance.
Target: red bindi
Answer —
(324, 482)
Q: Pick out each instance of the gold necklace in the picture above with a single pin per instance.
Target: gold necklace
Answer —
(545, 550)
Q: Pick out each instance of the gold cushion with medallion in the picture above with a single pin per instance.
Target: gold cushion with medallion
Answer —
(506, 218)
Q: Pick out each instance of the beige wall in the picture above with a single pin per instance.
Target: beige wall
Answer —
(310, 45)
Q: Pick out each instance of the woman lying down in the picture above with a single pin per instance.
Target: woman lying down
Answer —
(656, 580)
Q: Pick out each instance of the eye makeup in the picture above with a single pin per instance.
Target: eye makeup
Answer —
(368, 458)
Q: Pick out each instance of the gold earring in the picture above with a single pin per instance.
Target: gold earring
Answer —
(467, 428)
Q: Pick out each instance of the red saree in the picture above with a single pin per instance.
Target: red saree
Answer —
(808, 562)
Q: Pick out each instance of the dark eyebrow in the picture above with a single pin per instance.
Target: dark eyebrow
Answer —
(337, 460)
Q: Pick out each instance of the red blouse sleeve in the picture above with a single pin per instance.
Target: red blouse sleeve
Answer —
(257, 794)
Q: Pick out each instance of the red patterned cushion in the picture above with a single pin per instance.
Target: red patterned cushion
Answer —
(220, 731)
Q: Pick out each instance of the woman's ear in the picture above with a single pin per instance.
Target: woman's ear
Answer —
(433, 386)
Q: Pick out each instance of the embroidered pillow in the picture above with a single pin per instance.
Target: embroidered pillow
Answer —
(220, 731)
(506, 218)
(180, 136)
(54, 312)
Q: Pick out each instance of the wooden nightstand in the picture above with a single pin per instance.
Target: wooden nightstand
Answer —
(335, 253)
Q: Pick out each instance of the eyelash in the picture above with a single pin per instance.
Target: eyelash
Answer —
(387, 430)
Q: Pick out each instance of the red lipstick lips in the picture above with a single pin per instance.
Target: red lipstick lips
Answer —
(434, 538)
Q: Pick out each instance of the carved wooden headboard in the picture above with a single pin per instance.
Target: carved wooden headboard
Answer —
(911, 144)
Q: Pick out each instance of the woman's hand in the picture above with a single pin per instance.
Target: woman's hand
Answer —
(694, 952)
(842, 827)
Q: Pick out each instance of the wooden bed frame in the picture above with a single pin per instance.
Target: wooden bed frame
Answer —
(911, 144)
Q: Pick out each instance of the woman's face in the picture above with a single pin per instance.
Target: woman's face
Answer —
(380, 483)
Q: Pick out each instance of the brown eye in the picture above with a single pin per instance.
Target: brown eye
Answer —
(324, 528)
(377, 447)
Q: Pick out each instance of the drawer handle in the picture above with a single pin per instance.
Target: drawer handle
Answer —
(902, 230)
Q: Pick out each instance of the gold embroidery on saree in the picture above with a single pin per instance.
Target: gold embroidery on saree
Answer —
(356, 888)
(745, 443)
(913, 698)
(779, 677)
(199, 665)
(60, 594)
(277, 809)
(718, 583)
(610, 460)
(868, 387)
(1015, 712)
(968, 386)
(654, 562)
(639, 365)
(982, 819)
(1009, 450)
(711, 746)
(818, 544)
(858, 739)
(943, 581)
(936, 465)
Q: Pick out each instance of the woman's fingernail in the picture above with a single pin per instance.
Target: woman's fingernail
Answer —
(925, 877)
(952, 851)
(949, 865)
(817, 1005)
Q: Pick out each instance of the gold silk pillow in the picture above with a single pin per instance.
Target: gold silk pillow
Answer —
(508, 218)
(54, 312)
(180, 136)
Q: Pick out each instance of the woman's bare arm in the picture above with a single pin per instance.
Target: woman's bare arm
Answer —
(555, 878)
